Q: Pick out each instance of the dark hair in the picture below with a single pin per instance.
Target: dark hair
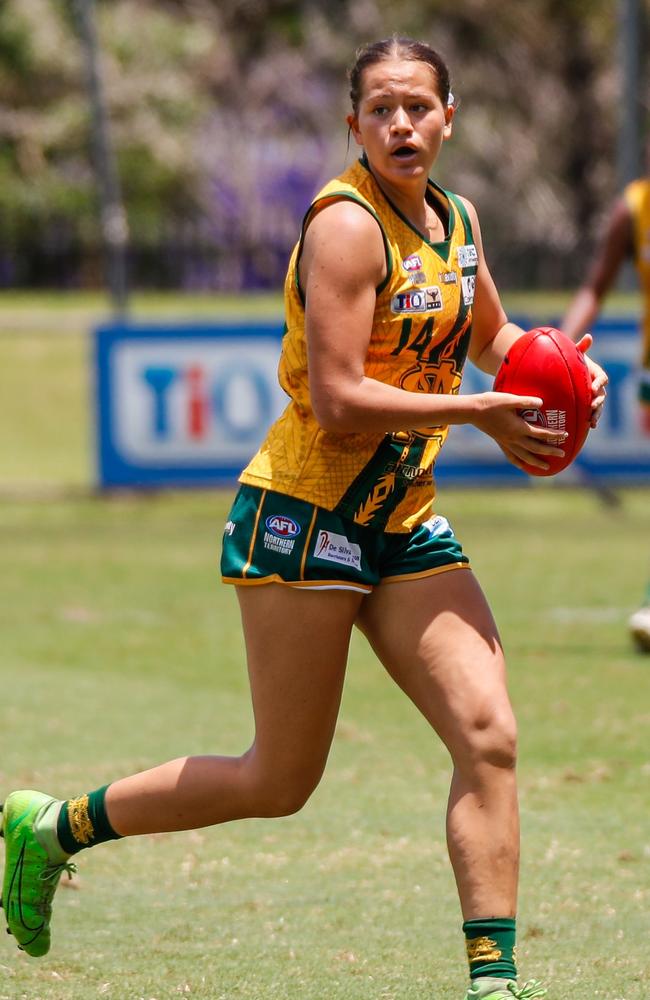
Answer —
(402, 48)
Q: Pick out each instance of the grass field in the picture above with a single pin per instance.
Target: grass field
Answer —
(120, 648)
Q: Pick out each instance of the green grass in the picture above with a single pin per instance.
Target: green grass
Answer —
(120, 648)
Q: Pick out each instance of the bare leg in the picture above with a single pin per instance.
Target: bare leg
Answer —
(437, 639)
(297, 646)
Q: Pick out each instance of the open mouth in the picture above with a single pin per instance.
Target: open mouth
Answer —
(404, 152)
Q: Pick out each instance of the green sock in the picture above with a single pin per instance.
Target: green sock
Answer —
(83, 822)
(491, 947)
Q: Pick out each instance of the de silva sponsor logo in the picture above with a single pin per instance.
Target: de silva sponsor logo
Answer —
(338, 549)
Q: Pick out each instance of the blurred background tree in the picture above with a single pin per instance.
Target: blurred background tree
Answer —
(227, 115)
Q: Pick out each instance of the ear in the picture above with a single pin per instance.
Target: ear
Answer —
(353, 125)
(449, 117)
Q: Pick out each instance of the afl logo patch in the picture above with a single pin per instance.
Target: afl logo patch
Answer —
(412, 263)
(282, 526)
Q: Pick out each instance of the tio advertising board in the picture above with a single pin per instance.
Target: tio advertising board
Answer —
(187, 405)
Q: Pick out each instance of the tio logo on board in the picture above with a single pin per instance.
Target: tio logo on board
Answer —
(193, 402)
(204, 400)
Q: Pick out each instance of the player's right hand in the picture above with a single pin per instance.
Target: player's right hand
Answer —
(499, 414)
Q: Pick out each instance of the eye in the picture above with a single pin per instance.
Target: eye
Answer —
(419, 107)
(379, 110)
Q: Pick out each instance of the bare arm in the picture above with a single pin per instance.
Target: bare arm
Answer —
(616, 245)
(342, 264)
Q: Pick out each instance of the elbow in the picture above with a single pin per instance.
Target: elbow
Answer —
(334, 415)
(333, 421)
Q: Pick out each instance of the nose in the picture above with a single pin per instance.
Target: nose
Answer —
(400, 121)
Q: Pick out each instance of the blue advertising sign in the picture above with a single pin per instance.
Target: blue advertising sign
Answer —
(184, 405)
(188, 405)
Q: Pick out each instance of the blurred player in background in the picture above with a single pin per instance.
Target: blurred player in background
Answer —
(387, 293)
(627, 235)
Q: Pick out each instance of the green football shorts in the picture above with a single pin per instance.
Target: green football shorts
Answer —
(273, 538)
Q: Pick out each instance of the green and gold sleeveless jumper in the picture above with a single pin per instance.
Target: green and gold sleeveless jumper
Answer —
(419, 341)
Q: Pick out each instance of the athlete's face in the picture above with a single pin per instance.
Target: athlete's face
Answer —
(401, 120)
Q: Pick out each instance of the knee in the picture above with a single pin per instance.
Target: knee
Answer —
(282, 800)
(276, 788)
(489, 740)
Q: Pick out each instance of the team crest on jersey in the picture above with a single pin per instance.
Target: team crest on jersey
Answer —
(424, 377)
(419, 300)
(431, 377)
(467, 255)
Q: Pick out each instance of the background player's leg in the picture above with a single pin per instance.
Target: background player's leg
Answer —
(437, 638)
(297, 646)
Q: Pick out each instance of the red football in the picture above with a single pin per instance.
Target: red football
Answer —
(546, 363)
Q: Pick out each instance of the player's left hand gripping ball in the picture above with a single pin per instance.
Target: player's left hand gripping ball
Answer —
(546, 363)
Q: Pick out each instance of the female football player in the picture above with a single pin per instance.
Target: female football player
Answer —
(334, 526)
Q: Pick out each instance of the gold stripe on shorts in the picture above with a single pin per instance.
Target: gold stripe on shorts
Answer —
(307, 541)
(254, 535)
(421, 574)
